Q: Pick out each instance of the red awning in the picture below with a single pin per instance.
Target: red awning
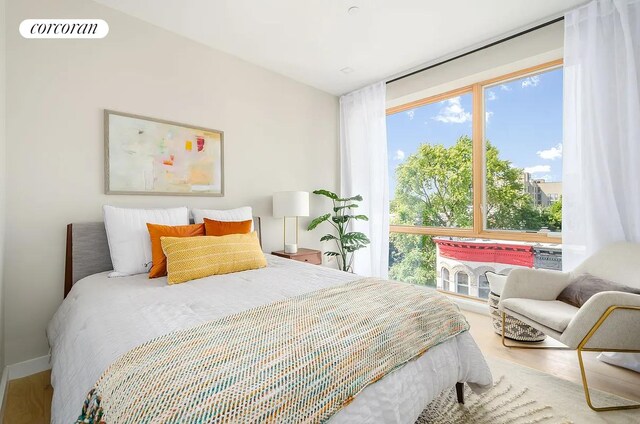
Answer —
(503, 253)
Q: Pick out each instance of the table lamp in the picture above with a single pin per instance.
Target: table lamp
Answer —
(288, 204)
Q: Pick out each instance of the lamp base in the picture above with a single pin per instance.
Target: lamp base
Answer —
(290, 248)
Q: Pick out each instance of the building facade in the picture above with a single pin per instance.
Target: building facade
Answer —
(462, 263)
(542, 192)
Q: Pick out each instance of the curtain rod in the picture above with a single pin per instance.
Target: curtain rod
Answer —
(494, 43)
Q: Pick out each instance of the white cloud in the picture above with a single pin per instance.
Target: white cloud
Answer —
(411, 113)
(487, 115)
(538, 169)
(546, 177)
(531, 81)
(453, 112)
(505, 87)
(399, 155)
(491, 95)
(551, 154)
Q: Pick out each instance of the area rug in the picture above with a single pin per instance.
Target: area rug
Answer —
(523, 395)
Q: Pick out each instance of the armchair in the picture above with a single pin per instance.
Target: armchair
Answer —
(608, 321)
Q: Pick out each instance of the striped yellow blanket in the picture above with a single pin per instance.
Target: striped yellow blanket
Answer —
(294, 361)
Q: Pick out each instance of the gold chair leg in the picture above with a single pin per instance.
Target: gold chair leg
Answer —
(581, 348)
(588, 396)
(504, 316)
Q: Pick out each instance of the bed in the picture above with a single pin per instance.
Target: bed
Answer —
(102, 318)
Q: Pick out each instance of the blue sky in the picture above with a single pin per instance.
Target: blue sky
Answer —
(523, 120)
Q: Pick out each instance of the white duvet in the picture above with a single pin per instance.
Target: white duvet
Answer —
(102, 318)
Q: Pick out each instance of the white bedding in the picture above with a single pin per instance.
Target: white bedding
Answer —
(102, 318)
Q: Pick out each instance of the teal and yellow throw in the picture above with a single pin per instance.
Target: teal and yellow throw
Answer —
(298, 360)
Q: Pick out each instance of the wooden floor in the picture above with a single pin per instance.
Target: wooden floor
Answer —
(29, 399)
(562, 364)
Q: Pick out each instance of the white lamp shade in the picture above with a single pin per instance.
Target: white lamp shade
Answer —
(290, 203)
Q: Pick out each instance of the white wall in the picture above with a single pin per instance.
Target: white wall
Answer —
(534, 48)
(279, 135)
(2, 171)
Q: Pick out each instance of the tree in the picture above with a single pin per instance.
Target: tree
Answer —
(555, 215)
(434, 188)
(412, 258)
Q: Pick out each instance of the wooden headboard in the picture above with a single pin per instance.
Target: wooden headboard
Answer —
(88, 251)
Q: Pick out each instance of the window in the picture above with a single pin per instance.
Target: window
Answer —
(445, 279)
(483, 287)
(427, 192)
(475, 178)
(412, 259)
(462, 283)
(523, 152)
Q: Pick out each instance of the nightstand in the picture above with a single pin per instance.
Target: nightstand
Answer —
(309, 256)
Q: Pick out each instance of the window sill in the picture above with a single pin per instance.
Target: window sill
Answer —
(468, 303)
(469, 233)
(463, 296)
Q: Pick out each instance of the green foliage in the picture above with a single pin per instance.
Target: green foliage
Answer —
(331, 195)
(317, 221)
(508, 206)
(412, 259)
(346, 241)
(555, 215)
(435, 188)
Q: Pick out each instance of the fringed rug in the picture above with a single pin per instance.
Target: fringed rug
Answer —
(503, 404)
(524, 395)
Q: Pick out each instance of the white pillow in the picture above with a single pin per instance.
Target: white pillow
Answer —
(230, 215)
(496, 282)
(128, 236)
(621, 359)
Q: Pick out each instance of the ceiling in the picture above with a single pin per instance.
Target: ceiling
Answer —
(311, 41)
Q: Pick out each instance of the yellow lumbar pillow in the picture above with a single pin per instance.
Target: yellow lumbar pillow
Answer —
(189, 258)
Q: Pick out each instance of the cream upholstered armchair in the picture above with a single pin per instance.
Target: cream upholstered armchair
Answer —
(608, 321)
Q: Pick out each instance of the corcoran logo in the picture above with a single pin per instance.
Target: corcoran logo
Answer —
(64, 28)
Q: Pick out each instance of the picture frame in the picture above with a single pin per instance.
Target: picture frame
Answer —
(150, 156)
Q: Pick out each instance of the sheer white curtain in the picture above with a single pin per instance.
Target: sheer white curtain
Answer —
(601, 192)
(601, 181)
(363, 166)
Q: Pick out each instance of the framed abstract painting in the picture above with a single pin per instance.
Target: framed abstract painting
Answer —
(156, 157)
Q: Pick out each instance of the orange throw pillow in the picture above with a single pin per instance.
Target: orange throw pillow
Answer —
(224, 228)
(159, 260)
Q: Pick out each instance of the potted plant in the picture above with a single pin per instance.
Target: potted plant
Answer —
(347, 241)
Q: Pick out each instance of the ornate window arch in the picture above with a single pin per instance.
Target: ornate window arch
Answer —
(483, 282)
(483, 287)
(445, 277)
(462, 282)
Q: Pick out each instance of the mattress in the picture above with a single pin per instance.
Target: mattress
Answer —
(103, 318)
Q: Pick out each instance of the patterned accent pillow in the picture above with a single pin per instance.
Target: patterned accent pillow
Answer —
(190, 258)
(584, 286)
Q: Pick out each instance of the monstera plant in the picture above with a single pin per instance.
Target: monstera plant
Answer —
(347, 241)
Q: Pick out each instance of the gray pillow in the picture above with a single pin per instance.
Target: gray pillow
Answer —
(581, 288)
